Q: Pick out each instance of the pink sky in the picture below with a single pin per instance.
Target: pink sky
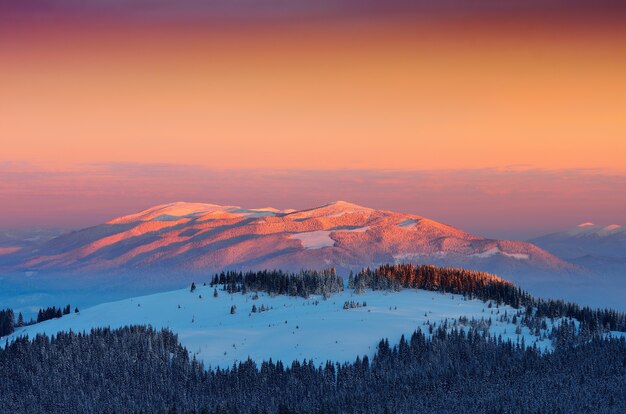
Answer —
(512, 203)
(505, 118)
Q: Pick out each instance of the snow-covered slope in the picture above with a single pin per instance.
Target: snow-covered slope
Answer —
(293, 327)
(208, 237)
(15, 240)
(586, 239)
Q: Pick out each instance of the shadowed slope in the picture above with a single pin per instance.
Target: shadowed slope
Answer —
(208, 237)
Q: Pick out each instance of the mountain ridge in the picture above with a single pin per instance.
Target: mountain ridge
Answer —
(201, 237)
(586, 239)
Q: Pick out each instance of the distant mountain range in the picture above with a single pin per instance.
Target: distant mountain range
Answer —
(15, 240)
(208, 237)
(586, 239)
(601, 249)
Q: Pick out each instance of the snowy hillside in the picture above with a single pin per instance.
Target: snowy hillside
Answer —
(197, 237)
(293, 327)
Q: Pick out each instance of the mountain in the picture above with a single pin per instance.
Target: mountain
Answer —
(208, 237)
(12, 241)
(586, 239)
(600, 251)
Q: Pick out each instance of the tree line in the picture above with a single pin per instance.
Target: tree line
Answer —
(277, 282)
(53, 312)
(141, 370)
(8, 322)
(484, 286)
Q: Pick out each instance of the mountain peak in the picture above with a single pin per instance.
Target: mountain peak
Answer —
(591, 229)
(186, 210)
(585, 240)
(334, 209)
(178, 209)
(345, 205)
(611, 229)
(190, 210)
(200, 236)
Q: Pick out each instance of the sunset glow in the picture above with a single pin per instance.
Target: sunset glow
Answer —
(402, 92)
(312, 206)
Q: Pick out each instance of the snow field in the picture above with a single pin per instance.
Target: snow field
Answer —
(293, 327)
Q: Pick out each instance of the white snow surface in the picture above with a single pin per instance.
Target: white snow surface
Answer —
(334, 209)
(321, 238)
(617, 334)
(177, 210)
(587, 229)
(610, 229)
(293, 329)
(314, 239)
(416, 257)
(408, 223)
(496, 250)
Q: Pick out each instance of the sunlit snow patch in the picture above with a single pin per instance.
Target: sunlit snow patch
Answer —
(314, 239)
(411, 257)
(496, 250)
(408, 224)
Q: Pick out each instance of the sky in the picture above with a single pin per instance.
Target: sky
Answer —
(505, 118)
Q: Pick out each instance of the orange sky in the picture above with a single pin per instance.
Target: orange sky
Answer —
(401, 95)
